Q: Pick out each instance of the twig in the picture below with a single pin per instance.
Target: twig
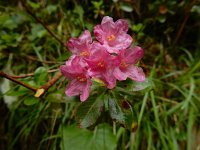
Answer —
(2, 74)
(187, 14)
(52, 81)
(44, 61)
(41, 22)
(43, 89)
(30, 74)
(39, 92)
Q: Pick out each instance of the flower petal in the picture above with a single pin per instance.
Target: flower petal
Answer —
(86, 37)
(101, 32)
(119, 74)
(122, 24)
(136, 73)
(121, 42)
(133, 55)
(78, 45)
(107, 19)
(73, 67)
(86, 91)
(74, 88)
(109, 78)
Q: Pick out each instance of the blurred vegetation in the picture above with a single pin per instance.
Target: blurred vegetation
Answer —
(164, 115)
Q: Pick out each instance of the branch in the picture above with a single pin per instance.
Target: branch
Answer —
(30, 74)
(44, 61)
(43, 89)
(39, 92)
(187, 14)
(41, 22)
(2, 74)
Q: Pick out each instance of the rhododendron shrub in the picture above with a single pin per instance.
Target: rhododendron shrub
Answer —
(108, 59)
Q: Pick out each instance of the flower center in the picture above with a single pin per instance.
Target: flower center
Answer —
(84, 53)
(81, 78)
(111, 37)
(100, 64)
(123, 64)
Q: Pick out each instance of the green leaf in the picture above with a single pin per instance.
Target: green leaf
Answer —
(79, 10)
(126, 8)
(89, 111)
(34, 5)
(97, 5)
(138, 27)
(196, 9)
(75, 138)
(37, 31)
(52, 8)
(104, 138)
(56, 96)
(31, 100)
(161, 18)
(10, 39)
(115, 111)
(12, 21)
(41, 75)
(138, 86)
(15, 93)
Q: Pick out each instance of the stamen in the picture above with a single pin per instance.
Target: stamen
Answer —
(101, 64)
(81, 78)
(123, 64)
(84, 53)
(111, 37)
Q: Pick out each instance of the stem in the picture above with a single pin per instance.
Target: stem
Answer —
(2, 74)
(39, 91)
(187, 14)
(41, 22)
(43, 89)
(52, 81)
(44, 61)
(31, 74)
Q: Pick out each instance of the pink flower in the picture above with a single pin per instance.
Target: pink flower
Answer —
(112, 35)
(107, 60)
(125, 64)
(81, 46)
(80, 82)
(100, 65)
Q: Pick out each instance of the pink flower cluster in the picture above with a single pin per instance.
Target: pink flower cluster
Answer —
(108, 59)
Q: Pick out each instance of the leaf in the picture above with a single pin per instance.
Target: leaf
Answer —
(138, 86)
(115, 111)
(10, 39)
(130, 122)
(161, 18)
(34, 5)
(31, 100)
(52, 8)
(37, 31)
(104, 138)
(15, 93)
(76, 138)
(196, 9)
(56, 96)
(79, 10)
(126, 8)
(138, 27)
(89, 111)
(41, 75)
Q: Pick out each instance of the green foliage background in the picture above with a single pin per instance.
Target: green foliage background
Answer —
(162, 113)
